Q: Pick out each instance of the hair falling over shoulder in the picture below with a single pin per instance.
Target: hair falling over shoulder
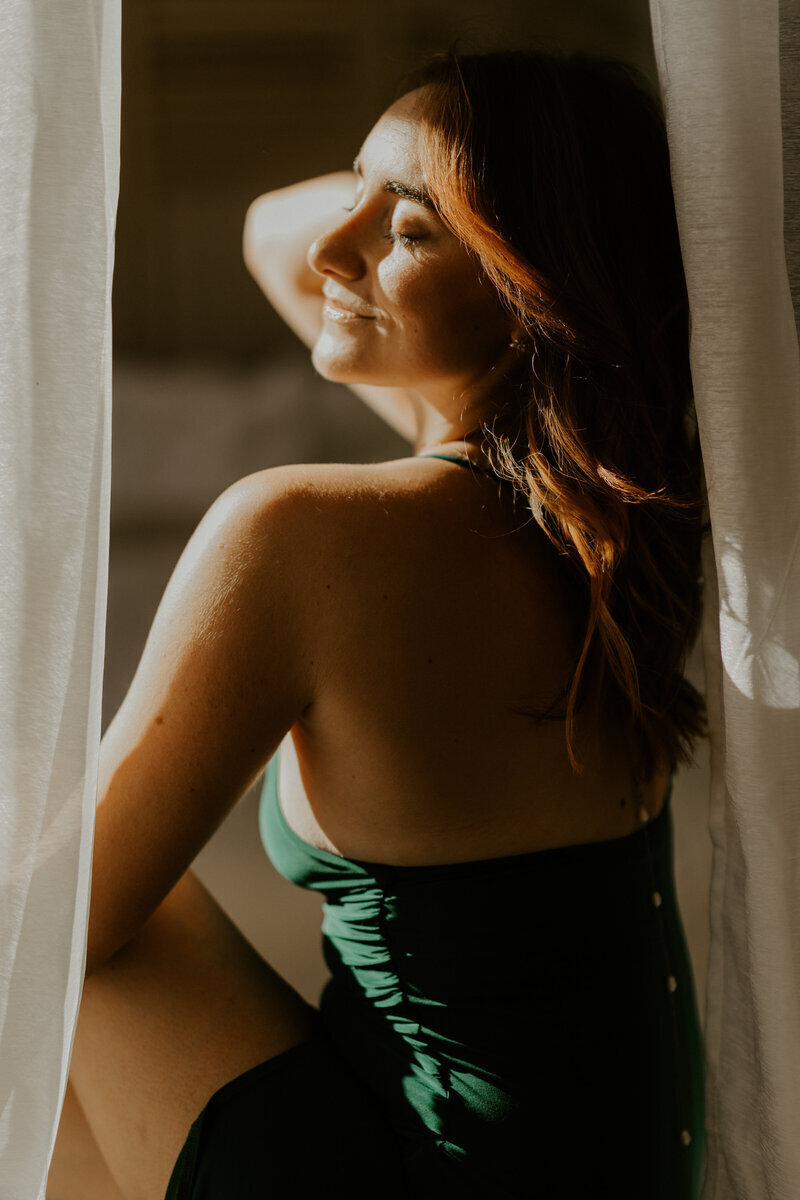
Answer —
(554, 171)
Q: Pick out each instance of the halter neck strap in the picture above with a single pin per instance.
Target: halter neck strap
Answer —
(463, 461)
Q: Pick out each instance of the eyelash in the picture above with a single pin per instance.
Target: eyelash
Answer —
(404, 239)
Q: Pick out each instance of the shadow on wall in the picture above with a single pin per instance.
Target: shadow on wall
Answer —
(216, 423)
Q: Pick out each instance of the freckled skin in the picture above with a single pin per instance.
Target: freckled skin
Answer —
(439, 328)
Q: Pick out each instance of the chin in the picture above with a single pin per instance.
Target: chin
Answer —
(341, 365)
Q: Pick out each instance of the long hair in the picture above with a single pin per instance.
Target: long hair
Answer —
(553, 171)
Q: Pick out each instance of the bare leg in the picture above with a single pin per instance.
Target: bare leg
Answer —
(78, 1170)
(185, 1007)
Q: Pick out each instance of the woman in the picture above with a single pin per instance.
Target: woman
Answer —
(471, 658)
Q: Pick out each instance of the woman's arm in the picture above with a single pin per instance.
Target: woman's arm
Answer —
(278, 231)
(224, 675)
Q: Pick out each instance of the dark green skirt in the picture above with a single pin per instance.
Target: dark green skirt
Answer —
(300, 1125)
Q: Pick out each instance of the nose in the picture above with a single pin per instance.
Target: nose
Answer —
(336, 253)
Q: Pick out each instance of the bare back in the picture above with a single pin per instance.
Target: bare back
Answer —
(439, 612)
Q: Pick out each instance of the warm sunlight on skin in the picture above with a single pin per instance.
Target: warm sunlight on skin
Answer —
(421, 315)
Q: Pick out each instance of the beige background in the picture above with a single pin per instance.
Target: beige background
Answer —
(223, 101)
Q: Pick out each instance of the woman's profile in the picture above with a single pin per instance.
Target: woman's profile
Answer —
(471, 659)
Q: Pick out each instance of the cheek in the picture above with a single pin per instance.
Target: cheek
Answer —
(447, 315)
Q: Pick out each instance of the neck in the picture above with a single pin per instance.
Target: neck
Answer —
(456, 416)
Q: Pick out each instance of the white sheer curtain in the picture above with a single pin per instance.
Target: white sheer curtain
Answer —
(729, 73)
(730, 77)
(59, 177)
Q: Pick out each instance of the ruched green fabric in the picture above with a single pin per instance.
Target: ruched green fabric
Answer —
(525, 1025)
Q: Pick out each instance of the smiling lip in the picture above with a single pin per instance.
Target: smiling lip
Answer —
(338, 311)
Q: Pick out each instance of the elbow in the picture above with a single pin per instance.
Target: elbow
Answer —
(255, 232)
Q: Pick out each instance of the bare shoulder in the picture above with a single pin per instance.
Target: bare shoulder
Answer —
(350, 518)
(304, 513)
(303, 495)
(418, 514)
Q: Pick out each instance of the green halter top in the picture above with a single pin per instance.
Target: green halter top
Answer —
(528, 1022)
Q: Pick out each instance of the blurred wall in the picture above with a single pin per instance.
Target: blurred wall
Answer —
(222, 101)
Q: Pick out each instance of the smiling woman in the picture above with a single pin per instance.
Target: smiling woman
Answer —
(471, 659)
(434, 319)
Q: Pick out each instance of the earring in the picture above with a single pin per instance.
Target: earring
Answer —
(519, 343)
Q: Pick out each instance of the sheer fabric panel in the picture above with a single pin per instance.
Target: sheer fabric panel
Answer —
(729, 74)
(59, 179)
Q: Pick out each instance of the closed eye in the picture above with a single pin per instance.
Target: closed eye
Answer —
(405, 239)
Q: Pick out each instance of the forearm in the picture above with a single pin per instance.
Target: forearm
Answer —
(280, 227)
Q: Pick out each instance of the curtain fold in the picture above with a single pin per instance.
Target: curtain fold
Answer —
(59, 181)
(729, 74)
(730, 78)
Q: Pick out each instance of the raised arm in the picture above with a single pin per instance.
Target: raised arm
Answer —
(278, 231)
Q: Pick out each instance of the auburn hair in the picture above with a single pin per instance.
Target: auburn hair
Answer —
(553, 170)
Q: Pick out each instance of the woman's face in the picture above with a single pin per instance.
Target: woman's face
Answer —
(421, 316)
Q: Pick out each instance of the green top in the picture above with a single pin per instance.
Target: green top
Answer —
(463, 461)
(531, 1018)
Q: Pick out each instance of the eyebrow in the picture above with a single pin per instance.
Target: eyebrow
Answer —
(402, 189)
